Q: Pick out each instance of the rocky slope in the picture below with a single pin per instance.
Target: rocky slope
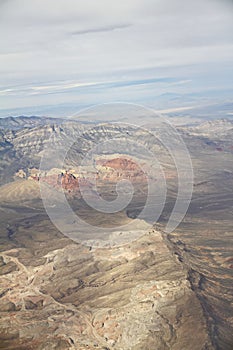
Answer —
(158, 292)
(56, 294)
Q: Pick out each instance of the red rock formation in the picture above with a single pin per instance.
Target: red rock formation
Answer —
(120, 168)
(112, 171)
(120, 164)
(66, 182)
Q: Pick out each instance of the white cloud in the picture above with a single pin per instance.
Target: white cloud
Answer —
(43, 42)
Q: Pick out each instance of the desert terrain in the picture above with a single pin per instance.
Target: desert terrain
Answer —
(148, 290)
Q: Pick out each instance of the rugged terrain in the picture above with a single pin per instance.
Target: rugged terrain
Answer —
(159, 291)
(58, 294)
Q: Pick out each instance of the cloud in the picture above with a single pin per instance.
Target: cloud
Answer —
(100, 29)
(108, 47)
(66, 86)
(172, 110)
(181, 82)
(5, 92)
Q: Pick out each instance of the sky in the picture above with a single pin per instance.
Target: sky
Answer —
(59, 56)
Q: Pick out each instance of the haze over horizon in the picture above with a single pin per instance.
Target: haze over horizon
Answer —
(59, 56)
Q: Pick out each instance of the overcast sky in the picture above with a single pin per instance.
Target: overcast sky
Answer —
(82, 52)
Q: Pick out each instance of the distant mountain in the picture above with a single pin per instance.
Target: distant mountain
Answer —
(22, 147)
(24, 139)
(19, 122)
(213, 128)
